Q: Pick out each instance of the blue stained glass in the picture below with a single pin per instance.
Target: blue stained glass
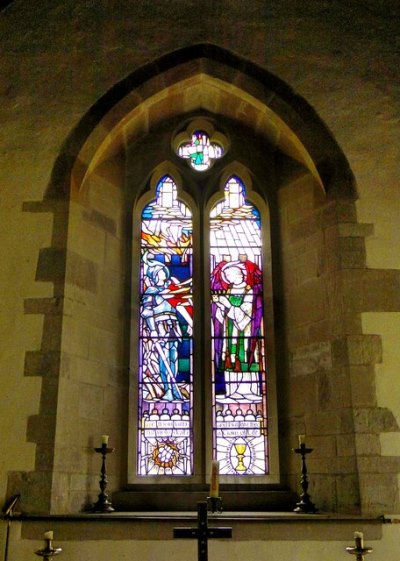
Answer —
(165, 442)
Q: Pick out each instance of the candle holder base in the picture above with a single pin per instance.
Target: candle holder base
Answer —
(103, 505)
(359, 550)
(49, 551)
(214, 504)
(305, 506)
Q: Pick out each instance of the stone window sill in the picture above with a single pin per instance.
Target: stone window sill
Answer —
(160, 525)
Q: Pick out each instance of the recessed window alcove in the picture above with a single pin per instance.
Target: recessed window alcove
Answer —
(296, 174)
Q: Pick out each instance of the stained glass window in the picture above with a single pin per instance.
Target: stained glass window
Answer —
(238, 356)
(200, 151)
(165, 389)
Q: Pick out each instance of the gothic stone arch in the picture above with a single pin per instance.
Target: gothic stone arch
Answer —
(320, 255)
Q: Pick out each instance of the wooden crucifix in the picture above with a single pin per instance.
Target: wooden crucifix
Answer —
(203, 533)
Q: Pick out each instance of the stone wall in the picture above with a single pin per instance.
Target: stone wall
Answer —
(65, 66)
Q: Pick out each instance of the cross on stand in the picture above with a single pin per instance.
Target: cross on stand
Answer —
(203, 533)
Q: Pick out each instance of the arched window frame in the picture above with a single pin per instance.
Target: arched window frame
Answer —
(237, 169)
(202, 326)
(166, 168)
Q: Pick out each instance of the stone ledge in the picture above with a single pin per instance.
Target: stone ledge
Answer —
(159, 526)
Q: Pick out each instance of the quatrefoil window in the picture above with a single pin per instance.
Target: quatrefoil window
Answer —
(200, 145)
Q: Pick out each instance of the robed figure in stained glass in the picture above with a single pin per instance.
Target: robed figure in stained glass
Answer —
(237, 313)
(237, 337)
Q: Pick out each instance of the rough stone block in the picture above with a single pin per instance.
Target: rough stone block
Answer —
(346, 420)
(326, 215)
(378, 493)
(311, 359)
(44, 459)
(374, 420)
(389, 444)
(354, 229)
(75, 337)
(67, 459)
(114, 253)
(49, 395)
(115, 401)
(112, 294)
(304, 387)
(41, 428)
(88, 241)
(43, 305)
(330, 256)
(333, 390)
(38, 363)
(34, 488)
(82, 272)
(308, 266)
(345, 444)
(60, 493)
(91, 401)
(364, 349)
(323, 423)
(372, 290)
(363, 385)
(352, 259)
(304, 228)
(100, 220)
(378, 464)
(347, 493)
(307, 304)
(88, 431)
(320, 331)
(52, 333)
(105, 347)
(346, 211)
(323, 492)
(51, 264)
(323, 446)
(368, 444)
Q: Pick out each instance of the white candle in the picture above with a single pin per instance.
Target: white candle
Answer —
(302, 439)
(104, 439)
(214, 481)
(359, 537)
(48, 535)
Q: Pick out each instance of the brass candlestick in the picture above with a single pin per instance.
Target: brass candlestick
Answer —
(103, 504)
(305, 505)
(48, 551)
(359, 550)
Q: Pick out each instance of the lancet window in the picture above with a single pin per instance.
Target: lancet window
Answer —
(227, 391)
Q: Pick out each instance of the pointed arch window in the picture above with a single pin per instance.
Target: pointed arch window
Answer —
(237, 342)
(165, 404)
(203, 388)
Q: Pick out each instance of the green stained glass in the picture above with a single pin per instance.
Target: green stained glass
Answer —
(200, 151)
(238, 356)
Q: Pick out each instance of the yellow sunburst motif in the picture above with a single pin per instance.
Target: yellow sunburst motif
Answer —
(166, 454)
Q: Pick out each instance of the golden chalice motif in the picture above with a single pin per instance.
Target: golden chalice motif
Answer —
(240, 447)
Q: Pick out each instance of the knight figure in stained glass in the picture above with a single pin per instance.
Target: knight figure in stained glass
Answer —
(165, 344)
